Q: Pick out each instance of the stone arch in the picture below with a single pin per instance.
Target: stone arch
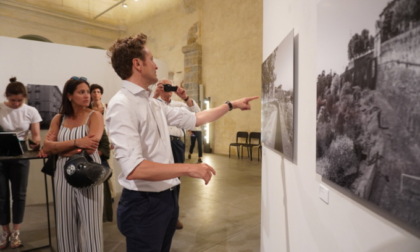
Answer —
(35, 37)
(96, 47)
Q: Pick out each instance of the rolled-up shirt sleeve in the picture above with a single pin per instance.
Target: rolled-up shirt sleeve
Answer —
(123, 132)
(194, 108)
(180, 117)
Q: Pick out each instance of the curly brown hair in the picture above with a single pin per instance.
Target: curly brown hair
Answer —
(123, 51)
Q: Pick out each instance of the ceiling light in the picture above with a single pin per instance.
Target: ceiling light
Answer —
(124, 5)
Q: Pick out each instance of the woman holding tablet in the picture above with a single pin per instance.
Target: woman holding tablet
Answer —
(16, 116)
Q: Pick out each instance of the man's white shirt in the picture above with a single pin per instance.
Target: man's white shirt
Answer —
(137, 126)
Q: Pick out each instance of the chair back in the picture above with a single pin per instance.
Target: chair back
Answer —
(255, 138)
(242, 137)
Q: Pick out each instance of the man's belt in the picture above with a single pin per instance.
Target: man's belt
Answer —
(175, 138)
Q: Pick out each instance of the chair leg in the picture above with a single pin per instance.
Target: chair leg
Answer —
(237, 150)
(250, 153)
(229, 151)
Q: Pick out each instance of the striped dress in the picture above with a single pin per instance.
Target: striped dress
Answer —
(79, 211)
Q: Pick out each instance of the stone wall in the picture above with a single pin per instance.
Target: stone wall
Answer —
(399, 75)
(232, 59)
(167, 35)
(404, 47)
(193, 63)
(17, 21)
(230, 38)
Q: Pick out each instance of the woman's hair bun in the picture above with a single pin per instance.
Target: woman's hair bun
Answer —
(13, 79)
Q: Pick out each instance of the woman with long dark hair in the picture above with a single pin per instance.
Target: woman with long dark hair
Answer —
(79, 210)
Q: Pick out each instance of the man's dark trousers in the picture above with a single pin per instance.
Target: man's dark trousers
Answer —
(148, 220)
(178, 152)
(178, 149)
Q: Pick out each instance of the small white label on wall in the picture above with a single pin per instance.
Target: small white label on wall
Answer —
(324, 193)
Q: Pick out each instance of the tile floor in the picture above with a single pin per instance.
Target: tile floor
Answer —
(222, 216)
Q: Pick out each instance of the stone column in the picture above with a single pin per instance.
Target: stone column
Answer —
(192, 70)
(192, 63)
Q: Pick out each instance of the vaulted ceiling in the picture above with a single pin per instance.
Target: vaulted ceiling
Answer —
(109, 12)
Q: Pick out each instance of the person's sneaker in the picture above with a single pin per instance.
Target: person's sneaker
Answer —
(4, 240)
(199, 160)
(179, 225)
(189, 156)
(15, 242)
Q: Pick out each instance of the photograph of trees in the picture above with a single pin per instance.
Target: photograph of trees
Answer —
(277, 99)
(368, 100)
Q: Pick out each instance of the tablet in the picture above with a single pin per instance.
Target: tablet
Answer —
(10, 144)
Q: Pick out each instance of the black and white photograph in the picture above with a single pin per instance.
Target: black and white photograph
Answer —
(277, 99)
(46, 99)
(368, 95)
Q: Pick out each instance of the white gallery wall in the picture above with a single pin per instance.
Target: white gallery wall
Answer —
(34, 62)
(294, 218)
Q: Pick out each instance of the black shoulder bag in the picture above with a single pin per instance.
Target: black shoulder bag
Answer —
(50, 166)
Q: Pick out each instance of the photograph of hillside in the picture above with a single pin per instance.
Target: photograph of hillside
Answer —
(368, 100)
(277, 99)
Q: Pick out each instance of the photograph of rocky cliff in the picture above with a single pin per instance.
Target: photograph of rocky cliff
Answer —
(277, 99)
(368, 101)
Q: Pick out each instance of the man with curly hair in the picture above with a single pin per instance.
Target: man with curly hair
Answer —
(138, 127)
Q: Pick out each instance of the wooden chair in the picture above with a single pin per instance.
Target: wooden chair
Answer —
(254, 141)
(241, 140)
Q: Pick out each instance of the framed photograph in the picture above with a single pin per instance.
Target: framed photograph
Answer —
(368, 98)
(278, 99)
(46, 99)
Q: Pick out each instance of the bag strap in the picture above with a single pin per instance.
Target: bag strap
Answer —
(88, 117)
(86, 155)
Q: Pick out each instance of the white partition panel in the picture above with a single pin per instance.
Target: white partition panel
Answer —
(34, 62)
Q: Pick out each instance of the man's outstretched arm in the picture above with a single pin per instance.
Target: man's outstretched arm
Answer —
(213, 114)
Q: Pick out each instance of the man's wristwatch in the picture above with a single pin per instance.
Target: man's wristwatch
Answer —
(230, 105)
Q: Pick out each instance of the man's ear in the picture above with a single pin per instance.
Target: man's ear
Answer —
(137, 64)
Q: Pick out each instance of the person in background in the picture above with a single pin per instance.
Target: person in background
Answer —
(138, 129)
(96, 92)
(79, 210)
(176, 134)
(16, 116)
(104, 150)
(196, 135)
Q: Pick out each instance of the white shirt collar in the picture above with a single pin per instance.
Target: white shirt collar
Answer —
(134, 88)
